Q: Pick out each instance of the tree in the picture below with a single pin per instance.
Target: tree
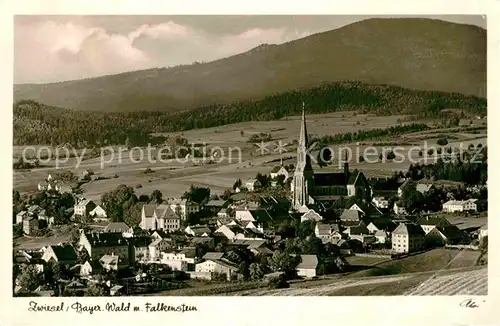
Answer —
(312, 246)
(96, 290)
(442, 142)
(305, 229)
(83, 256)
(29, 279)
(16, 197)
(156, 197)
(197, 194)
(283, 262)
(391, 155)
(256, 271)
(133, 215)
(237, 184)
(243, 269)
(113, 201)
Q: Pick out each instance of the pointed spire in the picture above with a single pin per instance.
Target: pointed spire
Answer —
(303, 129)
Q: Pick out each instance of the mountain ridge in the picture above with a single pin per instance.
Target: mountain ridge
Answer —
(414, 53)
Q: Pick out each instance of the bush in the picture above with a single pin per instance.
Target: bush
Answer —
(138, 186)
(278, 283)
(430, 151)
(391, 155)
(420, 153)
(361, 159)
(442, 142)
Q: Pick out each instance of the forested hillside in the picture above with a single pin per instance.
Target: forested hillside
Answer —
(36, 123)
(414, 53)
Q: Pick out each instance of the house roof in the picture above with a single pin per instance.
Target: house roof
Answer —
(117, 227)
(358, 230)
(162, 234)
(330, 179)
(349, 215)
(140, 241)
(216, 203)
(433, 220)
(199, 240)
(249, 243)
(213, 255)
(156, 242)
(189, 252)
(380, 233)
(64, 252)
(451, 231)
(276, 168)
(325, 229)
(106, 239)
(199, 229)
(225, 263)
(353, 177)
(109, 259)
(165, 212)
(409, 229)
(149, 210)
(423, 187)
(308, 262)
(312, 215)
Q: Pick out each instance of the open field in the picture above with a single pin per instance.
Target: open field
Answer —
(243, 159)
(448, 265)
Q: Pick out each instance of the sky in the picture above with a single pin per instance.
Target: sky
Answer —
(58, 48)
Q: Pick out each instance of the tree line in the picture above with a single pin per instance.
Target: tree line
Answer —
(36, 123)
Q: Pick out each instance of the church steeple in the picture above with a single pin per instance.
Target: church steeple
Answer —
(303, 179)
(303, 128)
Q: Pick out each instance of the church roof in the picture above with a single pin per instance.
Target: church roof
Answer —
(330, 179)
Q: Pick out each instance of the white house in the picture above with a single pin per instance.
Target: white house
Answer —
(98, 213)
(380, 236)
(327, 231)
(407, 237)
(380, 202)
(452, 206)
(218, 266)
(399, 209)
(243, 214)
(252, 184)
(156, 248)
(198, 230)
(182, 207)
(483, 232)
(84, 207)
(159, 217)
(307, 267)
(279, 170)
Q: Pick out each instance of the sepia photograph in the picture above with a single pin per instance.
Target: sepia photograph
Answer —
(249, 155)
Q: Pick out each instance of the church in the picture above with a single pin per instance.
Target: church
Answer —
(309, 188)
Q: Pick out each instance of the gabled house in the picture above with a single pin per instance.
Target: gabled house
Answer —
(120, 227)
(407, 237)
(453, 206)
(219, 266)
(198, 230)
(182, 207)
(112, 263)
(430, 222)
(380, 202)
(30, 224)
(98, 213)
(159, 217)
(307, 267)
(156, 248)
(222, 213)
(381, 236)
(215, 205)
(20, 216)
(99, 244)
(84, 207)
(399, 209)
(139, 248)
(327, 232)
(61, 254)
(311, 215)
(278, 171)
(204, 241)
(253, 185)
(350, 215)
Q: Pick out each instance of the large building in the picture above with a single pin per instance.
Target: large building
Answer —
(309, 187)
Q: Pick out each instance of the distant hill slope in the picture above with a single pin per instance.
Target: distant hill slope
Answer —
(412, 53)
(36, 123)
